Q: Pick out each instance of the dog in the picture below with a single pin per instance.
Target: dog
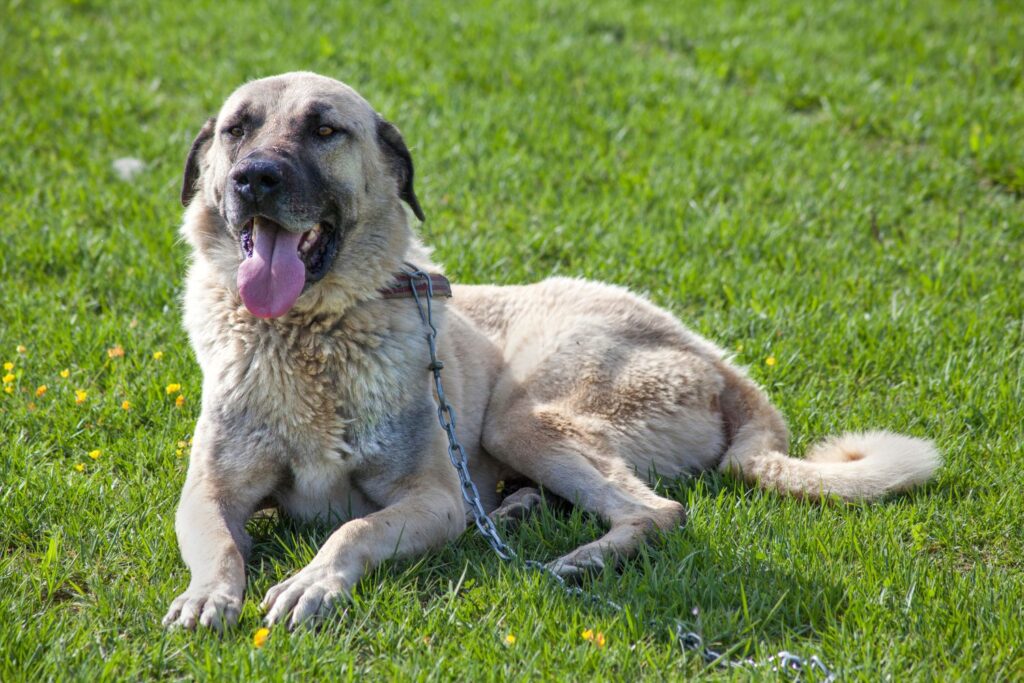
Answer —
(317, 396)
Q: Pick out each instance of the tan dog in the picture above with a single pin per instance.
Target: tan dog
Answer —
(317, 398)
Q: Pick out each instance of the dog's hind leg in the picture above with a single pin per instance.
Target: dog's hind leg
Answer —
(564, 454)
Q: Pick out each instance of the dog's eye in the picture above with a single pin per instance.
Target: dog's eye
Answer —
(236, 131)
(325, 131)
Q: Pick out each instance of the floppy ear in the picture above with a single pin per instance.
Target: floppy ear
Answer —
(188, 183)
(401, 163)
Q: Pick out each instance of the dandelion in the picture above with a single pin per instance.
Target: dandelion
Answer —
(40, 390)
(80, 467)
(259, 639)
(9, 388)
(95, 455)
(770, 361)
(510, 640)
(22, 349)
(80, 396)
(8, 366)
(157, 355)
(597, 638)
(173, 389)
(180, 401)
(8, 378)
(65, 373)
(115, 351)
(126, 405)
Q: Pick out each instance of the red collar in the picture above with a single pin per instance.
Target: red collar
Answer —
(402, 287)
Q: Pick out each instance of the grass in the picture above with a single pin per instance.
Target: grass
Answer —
(836, 185)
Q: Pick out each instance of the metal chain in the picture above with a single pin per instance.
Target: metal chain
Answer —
(687, 640)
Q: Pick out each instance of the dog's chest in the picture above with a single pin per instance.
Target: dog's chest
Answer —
(323, 405)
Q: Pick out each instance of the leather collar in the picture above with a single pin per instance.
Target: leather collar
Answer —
(402, 286)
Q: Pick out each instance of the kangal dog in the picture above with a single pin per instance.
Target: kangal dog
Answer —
(317, 397)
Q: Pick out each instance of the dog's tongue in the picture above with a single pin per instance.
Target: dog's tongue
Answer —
(273, 277)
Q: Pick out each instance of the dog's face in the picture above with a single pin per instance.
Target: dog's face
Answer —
(293, 165)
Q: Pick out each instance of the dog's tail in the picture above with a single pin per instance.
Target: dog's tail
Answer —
(854, 466)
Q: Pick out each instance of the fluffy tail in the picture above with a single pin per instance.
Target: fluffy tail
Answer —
(855, 466)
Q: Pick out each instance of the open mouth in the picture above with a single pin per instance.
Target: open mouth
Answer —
(279, 264)
(315, 248)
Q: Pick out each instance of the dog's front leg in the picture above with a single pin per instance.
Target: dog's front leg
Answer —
(210, 524)
(421, 514)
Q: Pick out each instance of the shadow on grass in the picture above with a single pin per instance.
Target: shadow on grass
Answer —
(730, 592)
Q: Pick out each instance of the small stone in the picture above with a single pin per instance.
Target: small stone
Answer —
(128, 167)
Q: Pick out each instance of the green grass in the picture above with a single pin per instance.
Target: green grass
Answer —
(837, 186)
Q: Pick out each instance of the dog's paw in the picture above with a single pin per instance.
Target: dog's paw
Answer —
(516, 507)
(216, 607)
(579, 563)
(312, 593)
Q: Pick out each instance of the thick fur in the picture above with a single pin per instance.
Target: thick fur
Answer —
(326, 412)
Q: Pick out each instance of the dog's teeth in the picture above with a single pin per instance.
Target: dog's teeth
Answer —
(309, 239)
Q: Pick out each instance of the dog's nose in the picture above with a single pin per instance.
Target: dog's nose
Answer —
(257, 179)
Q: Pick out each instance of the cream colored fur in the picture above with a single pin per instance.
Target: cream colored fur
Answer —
(327, 412)
(852, 466)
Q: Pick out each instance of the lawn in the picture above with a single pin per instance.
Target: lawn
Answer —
(831, 190)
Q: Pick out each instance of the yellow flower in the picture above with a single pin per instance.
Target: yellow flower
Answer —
(80, 467)
(595, 638)
(115, 351)
(21, 348)
(65, 373)
(769, 361)
(95, 455)
(181, 444)
(31, 406)
(510, 640)
(80, 396)
(259, 639)
(8, 366)
(599, 639)
(9, 388)
(8, 378)
(173, 389)
(500, 486)
(125, 405)
(588, 634)
(40, 390)
(157, 355)
(180, 401)
(179, 452)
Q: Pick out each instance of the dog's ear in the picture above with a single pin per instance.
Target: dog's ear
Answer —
(400, 162)
(188, 183)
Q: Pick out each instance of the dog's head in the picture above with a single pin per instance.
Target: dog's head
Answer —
(287, 175)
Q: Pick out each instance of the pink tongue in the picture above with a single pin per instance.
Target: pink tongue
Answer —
(273, 277)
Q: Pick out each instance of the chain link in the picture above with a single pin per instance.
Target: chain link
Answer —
(687, 640)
